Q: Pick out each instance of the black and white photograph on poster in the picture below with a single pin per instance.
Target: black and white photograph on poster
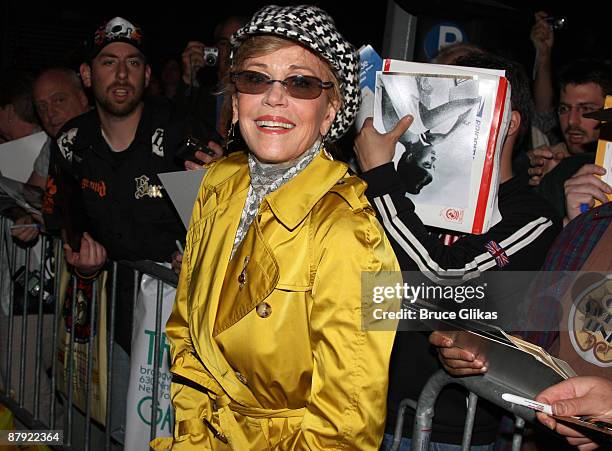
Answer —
(434, 157)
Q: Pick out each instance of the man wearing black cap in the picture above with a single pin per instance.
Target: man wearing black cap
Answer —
(115, 153)
(109, 159)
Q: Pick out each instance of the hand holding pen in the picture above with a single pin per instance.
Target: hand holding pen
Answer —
(584, 188)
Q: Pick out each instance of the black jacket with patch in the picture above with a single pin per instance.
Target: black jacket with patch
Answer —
(117, 196)
(123, 204)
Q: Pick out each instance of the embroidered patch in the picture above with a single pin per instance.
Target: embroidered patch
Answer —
(98, 187)
(157, 142)
(143, 188)
(590, 323)
(117, 28)
(65, 141)
(498, 253)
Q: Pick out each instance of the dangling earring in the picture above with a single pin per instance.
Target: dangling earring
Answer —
(323, 147)
(229, 137)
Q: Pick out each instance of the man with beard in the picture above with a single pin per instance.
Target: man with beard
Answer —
(584, 87)
(103, 177)
(115, 153)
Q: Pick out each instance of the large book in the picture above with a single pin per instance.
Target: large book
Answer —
(512, 361)
(521, 367)
(449, 157)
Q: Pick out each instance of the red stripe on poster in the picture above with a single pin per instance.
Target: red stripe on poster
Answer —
(485, 181)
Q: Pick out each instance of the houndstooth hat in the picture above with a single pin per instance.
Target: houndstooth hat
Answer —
(315, 29)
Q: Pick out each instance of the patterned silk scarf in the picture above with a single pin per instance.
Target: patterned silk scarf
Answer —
(265, 179)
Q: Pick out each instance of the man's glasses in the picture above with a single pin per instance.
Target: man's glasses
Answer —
(298, 86)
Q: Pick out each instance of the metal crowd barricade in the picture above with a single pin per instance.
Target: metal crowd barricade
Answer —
(81, 432)
(478, 386)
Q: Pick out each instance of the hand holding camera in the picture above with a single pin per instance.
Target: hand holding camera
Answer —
(556, 23)
(194, 152)
(195, 56)
(193, 60)
(542, 34)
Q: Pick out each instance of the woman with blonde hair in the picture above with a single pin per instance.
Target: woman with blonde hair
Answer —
(268, 347)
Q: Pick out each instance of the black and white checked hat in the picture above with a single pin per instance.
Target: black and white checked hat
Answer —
(315, 29)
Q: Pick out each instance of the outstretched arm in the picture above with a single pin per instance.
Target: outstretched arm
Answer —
(543, 38)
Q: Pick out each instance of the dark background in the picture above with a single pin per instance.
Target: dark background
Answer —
(35, 35)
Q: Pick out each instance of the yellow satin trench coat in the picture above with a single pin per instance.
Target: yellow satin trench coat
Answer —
(268, 349)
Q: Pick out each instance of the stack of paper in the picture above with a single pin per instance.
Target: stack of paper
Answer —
(560, 366)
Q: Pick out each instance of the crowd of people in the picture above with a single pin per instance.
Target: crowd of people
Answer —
(268, 346)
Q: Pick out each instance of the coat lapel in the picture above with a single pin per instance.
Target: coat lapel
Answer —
(250, 277)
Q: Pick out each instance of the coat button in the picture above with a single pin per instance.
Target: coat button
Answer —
(241, 377)
(264, 309)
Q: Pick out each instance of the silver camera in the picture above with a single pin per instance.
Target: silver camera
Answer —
(211, 56)
(557, 23)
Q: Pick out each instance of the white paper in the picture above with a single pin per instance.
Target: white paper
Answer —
(183, 187)
(17, 156)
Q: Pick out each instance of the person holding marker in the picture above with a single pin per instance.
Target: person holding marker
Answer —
(586, 186)
(583, 396)
(578, 396)
(583, 189)
(584, 84)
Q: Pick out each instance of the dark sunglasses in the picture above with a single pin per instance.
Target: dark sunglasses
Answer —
(298, 86)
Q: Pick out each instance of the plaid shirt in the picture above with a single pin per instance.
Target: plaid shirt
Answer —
(579, 237)
(568, 253)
